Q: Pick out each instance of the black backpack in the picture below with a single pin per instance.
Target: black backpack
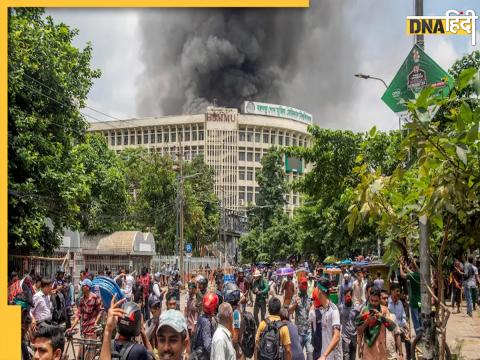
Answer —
(124, 352)
(200, 353)
(59, 311)
(270, 347)
(248, 336)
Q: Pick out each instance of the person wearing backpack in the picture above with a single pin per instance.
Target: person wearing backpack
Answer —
(157, 294)
(244, 328)
(272, 341)
(126, 318)
(206, 325)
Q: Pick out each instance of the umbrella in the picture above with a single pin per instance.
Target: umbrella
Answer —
(285, 271)
(330, 260)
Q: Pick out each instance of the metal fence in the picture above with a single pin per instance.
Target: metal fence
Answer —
(190, 263)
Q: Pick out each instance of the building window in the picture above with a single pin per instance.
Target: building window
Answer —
(241, 195)
(250, 136)
(241, 136)
(287, 140)
(265, 138)
(241, 175)
(200, 135)
(159, 137)
(125, 138)
(145, 136)
(294, 141)
(194, 135)
(139, 139)
(173, 136)
(132, 139)
(152, 136)
(165, 137)
(257, 156)
(280, 139)
(250, 156)
(119, 139)
(249, 197)
(187, 135)
(241, 156)
(249, 175)
(272, 138)
(257, 137)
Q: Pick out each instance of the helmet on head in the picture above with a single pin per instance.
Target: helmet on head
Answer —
(157, 276)
(210, 303)
(231, 293)
(129, 324)
(201, 280)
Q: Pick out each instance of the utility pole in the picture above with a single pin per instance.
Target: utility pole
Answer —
(180, 212)
(424, 234)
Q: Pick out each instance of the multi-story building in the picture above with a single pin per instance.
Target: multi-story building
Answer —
(232, 142)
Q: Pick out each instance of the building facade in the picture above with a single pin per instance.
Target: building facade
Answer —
(231, 142)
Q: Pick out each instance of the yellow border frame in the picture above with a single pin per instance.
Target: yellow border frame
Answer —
(10, 315)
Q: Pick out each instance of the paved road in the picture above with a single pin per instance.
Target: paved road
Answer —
(463, 335)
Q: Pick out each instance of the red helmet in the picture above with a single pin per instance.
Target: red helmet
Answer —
(210, 303)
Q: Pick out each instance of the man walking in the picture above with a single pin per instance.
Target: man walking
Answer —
(348, 315)
(301, 305)
(331, 346)
(372, 323)
(469, 282)
(260, 289)
(41, 312)
(395, 306)
(222, 346)
(358, 289)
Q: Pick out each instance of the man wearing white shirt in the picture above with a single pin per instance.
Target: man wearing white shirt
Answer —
(41, 312)
(358, 289)
(222, 345)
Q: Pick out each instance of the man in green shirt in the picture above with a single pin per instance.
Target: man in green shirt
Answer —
(260, 289)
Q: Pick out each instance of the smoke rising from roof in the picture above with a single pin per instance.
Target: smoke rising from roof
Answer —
(194, 57)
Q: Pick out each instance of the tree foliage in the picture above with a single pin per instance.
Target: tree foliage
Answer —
(48, 81)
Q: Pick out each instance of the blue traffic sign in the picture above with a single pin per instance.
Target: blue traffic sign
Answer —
(188, 248)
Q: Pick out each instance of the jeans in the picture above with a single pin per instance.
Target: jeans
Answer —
(146, 311)
(260, 305)
(468, 299)
(306, 343)
(415, 315)
(474, 292)
(349, 349)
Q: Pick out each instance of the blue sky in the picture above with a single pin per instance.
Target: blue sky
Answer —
(374, 36)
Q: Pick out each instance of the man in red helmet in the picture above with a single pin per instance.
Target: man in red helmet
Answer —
(206, 326)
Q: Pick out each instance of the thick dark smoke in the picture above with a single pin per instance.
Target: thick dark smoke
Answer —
(195, 57)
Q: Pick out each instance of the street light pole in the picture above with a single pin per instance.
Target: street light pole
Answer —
(366, 77)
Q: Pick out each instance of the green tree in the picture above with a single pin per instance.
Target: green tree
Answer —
(273, 186)
(105, 203)
(153, 181)
(48, 81)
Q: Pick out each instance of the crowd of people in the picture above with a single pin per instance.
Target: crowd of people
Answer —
(293, 317)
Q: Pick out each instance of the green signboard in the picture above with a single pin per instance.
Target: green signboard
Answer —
(417, 71)
(293, 164)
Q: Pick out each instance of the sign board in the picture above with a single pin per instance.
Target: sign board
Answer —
(258, 108)
(293, 164)
(145, 247)
(417, 71)
(221, 118)
(188, 248)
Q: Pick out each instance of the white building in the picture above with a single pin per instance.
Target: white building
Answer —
(230, 141)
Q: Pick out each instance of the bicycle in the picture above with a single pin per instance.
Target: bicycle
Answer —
(87, 349)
